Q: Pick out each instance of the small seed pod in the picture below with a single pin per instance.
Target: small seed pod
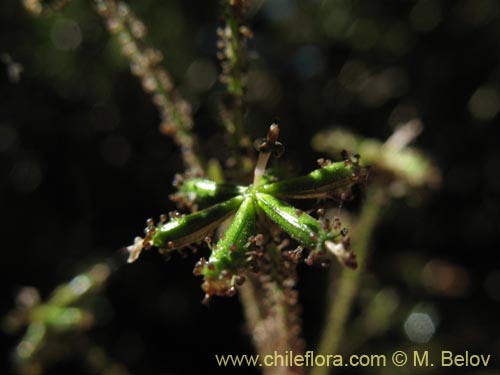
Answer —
(193, 228)
(205, 192)
(228, 257)
(328, 181)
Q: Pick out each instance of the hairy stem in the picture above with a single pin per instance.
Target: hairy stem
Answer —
(232, 53)
(344, 287)
(145, 60)
(270, 300)
(272, 320)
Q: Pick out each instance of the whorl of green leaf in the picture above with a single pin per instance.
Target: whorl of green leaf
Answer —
(228, 256)
(328, 181)
(299, 225)
(195, 227)
(205, 192)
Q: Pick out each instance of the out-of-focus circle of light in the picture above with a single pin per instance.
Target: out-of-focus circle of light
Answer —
(419, 327)
(66, 35)
(484, 104)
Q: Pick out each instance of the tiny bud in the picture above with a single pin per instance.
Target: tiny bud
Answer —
(231, 291)
(198, 267)
(274, 132)
(206, 299)
(309, 260)
(114, 25)
(325, 224)
(259, 239)
(138, 29)
(278, 150)
(246, 32)
(239, 280)
(135, 249)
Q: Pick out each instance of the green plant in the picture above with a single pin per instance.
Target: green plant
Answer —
(234, 253)
(258, 252)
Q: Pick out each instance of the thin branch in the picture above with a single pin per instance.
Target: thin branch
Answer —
(271, 308)
(145, 60)
(404, 135)
(346, 285)
(269, 299)
(175, 112)
(232, 53)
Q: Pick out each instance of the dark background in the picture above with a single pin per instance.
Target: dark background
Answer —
(82, 164)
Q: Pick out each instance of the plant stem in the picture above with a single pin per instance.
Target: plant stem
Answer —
(260, 167)
(145, 60)
(272, 321)
(270, 318)
(232, 41)
(344, 287)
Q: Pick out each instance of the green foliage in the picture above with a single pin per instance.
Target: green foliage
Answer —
(231, 255)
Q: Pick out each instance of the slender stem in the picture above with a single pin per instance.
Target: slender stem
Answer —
(345, 286)
(260, 168)
(145, 60)
(404, 135)
(272, 321)
(232, 43)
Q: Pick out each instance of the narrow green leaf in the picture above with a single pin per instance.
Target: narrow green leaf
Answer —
(31, 342)
(195, 227)
(328, 181)
(206, 192)
(308, 231)
(229, 254)
(298, 224)
(61, 318)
